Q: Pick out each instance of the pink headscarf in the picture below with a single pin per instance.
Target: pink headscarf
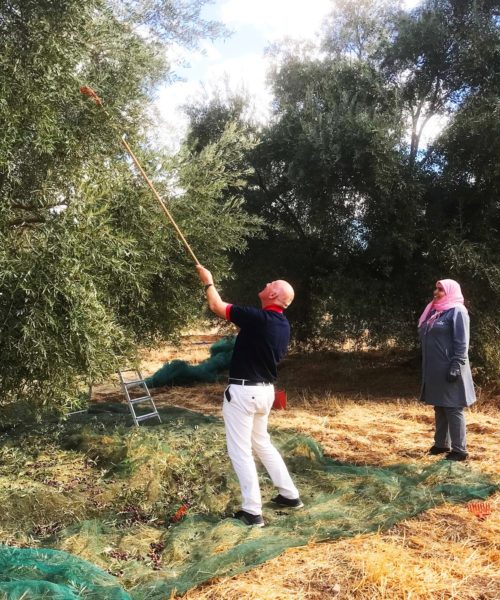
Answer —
(451, 299)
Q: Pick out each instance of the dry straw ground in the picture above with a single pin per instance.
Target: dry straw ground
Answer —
(363, 409)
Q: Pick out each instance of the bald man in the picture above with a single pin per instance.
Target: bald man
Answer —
(248, 399)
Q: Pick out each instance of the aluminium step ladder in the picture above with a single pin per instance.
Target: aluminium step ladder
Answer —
(137, 382)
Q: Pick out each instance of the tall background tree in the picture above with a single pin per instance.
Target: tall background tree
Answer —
(89, 268)
(361, 215)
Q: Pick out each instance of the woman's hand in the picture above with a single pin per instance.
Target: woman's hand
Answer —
(453, 374)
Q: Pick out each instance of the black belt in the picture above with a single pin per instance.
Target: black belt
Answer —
(247, 382)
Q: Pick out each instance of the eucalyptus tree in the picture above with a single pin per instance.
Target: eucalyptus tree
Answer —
(88, 266)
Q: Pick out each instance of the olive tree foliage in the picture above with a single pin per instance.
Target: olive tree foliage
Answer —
(211, 112)
(89, 266)
(361, 199)
(176, 21)
(441, 54)
(357, 29)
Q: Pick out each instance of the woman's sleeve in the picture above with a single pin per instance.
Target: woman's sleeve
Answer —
(460, 336)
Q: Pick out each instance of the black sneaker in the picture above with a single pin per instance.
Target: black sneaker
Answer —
(249, 519)
(437, 450)
(294, 503)
(454, 455)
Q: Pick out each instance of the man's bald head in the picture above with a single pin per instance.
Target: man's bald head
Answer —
(277, 292)
(285, 293)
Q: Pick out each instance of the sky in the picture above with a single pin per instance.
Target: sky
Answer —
(239, 61)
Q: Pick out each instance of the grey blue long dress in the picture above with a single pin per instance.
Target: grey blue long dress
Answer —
(446, 342)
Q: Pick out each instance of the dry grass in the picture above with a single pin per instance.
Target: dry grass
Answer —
(441, 554)
(363, 410)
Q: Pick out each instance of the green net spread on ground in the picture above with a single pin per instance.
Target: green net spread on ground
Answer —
(31, 573)
(111, 495)
(179, 372)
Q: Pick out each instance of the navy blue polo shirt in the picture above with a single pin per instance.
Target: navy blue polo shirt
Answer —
(261, 343)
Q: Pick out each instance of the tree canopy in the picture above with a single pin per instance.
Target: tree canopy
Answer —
(89, 268)
(361, 215)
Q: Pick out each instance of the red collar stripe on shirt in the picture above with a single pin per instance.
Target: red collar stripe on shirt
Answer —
(273, 307)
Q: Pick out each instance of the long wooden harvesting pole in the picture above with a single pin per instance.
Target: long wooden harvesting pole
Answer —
(89, 92)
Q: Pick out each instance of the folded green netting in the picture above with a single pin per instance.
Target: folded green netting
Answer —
(33, 574)
(179, 372)
(138, 478)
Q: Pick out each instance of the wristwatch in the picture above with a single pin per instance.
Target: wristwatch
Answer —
(207, 286)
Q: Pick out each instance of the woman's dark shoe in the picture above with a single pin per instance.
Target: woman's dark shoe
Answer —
(437, 450)
(454, 455)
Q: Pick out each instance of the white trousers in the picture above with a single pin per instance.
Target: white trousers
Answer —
(245, 415)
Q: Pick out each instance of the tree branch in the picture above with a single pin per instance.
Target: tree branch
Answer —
(294, 220)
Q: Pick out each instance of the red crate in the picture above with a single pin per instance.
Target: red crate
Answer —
(279, 400)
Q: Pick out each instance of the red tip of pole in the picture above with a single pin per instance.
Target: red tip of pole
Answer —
(88, 91)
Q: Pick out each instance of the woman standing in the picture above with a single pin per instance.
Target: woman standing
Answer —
(446, 376)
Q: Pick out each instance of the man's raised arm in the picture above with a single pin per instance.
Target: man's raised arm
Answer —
(215, 302)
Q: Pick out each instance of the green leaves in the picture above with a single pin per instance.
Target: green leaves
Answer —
(89, 267)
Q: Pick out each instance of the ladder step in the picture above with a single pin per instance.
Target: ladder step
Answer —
(141, 399)
(148, 416)
(137, 383)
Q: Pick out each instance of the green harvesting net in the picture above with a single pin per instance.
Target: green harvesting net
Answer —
(32, 574)
(151, 505)
(179, 372)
